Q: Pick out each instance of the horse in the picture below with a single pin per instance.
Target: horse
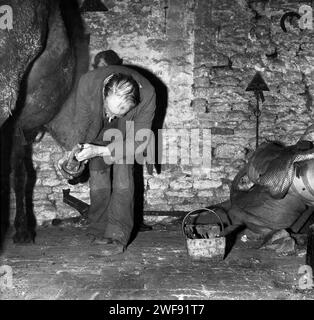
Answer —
(42, 57)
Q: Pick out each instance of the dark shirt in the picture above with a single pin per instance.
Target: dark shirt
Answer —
(89, 105)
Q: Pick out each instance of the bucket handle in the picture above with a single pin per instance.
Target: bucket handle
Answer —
(202, 209)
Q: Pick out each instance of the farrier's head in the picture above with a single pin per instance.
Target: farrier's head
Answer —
(120, 94)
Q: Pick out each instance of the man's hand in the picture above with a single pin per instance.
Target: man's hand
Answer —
(89, 151)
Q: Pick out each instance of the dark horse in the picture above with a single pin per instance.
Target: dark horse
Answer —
(41, 60)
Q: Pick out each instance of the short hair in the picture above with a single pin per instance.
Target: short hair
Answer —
(123, 86)
(110, 56)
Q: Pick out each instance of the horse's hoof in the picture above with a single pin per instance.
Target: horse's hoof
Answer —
(24, 237)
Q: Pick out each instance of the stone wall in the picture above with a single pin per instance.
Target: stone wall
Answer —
(234, 40)
(205, 53)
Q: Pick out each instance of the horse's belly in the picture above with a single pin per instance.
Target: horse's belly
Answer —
(45, 101)
(50, 79)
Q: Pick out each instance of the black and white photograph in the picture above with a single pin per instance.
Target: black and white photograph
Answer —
(158, 151)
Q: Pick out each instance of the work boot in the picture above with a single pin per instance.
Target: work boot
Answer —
(110, 246)
(94, 239)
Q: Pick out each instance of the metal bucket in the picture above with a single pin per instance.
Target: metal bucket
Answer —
(203, 241)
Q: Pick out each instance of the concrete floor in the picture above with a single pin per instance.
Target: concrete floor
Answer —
(62, 265)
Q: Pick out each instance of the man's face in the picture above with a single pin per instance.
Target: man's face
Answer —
(115, 107)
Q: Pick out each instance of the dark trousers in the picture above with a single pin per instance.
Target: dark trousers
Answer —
(111, 211)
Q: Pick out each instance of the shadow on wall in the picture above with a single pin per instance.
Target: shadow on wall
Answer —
(160, 113)
(161, 107)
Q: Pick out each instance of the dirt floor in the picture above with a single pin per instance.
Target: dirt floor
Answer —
(63, 265)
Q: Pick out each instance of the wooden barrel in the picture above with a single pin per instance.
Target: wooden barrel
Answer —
(303, 181)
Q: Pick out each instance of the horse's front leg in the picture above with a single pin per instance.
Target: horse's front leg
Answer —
(25, 231)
